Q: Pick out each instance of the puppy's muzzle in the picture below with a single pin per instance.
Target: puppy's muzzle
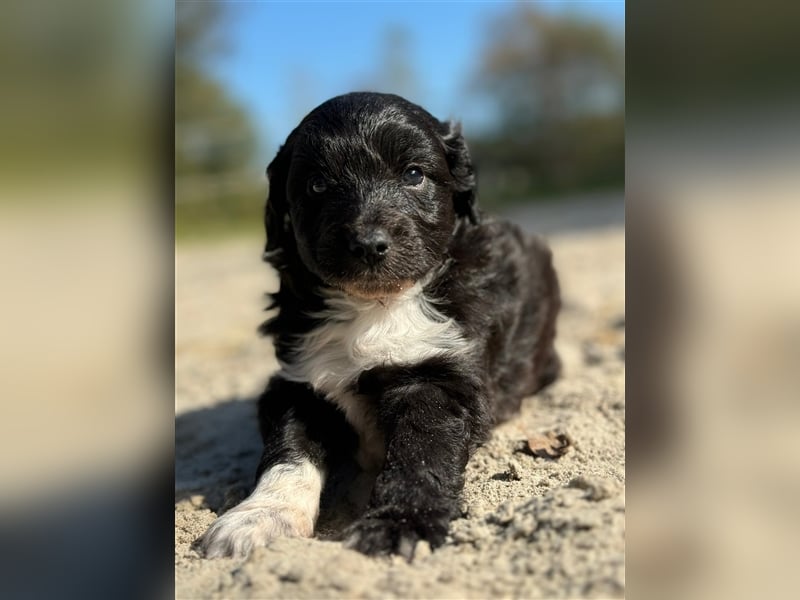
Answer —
(369, 246)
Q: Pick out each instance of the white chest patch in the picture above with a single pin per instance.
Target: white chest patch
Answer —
(358, 335)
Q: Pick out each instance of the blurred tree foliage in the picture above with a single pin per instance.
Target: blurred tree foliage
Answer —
(556, 84)
(396, 74)
(214, 138)
(69, 108)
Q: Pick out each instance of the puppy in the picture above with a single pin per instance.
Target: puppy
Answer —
(407, 325)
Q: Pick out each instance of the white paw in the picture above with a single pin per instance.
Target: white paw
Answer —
(285, 503)
(245, 527)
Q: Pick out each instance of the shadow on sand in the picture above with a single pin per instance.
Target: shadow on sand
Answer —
(217, 449)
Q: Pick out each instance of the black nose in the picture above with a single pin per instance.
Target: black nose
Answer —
(370, 246)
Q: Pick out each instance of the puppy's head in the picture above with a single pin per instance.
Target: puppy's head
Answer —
(366, 192)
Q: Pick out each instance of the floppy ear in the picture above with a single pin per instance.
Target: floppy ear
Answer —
(276, 212)
(460, 163)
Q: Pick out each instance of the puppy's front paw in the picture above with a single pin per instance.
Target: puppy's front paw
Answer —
(380, 534)
(245, 527)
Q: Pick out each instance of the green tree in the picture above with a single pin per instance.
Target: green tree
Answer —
(212, 133)
(216, 186)
(557, 86)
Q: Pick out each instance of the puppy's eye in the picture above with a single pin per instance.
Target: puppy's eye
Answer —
(413, 176)
(317, 185)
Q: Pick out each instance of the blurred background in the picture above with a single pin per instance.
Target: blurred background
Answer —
(538, 88)
(712, 134)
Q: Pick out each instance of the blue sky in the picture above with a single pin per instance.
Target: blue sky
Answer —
(285, 58)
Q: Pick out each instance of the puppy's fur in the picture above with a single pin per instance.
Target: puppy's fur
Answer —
(407, 325)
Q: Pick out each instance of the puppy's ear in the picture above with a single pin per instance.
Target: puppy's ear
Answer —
(276, 212)
(460, 163)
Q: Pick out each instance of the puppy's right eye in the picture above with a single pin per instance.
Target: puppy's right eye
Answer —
(317, 185)
(413, 176)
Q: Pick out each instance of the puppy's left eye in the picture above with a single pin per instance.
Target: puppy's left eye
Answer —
(317, 185)
(413, 176)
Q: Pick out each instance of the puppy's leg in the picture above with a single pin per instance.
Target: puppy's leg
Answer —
(432, 417)
(285, 501)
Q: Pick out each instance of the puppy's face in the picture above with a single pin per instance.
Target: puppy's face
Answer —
(373, 188)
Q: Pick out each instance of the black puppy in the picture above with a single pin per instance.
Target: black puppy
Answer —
(407, 326)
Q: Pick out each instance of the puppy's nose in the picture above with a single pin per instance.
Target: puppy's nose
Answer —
(370, 246)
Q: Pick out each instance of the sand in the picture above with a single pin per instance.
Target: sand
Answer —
(530, 527)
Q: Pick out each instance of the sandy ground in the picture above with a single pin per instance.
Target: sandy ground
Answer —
(530, 527)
